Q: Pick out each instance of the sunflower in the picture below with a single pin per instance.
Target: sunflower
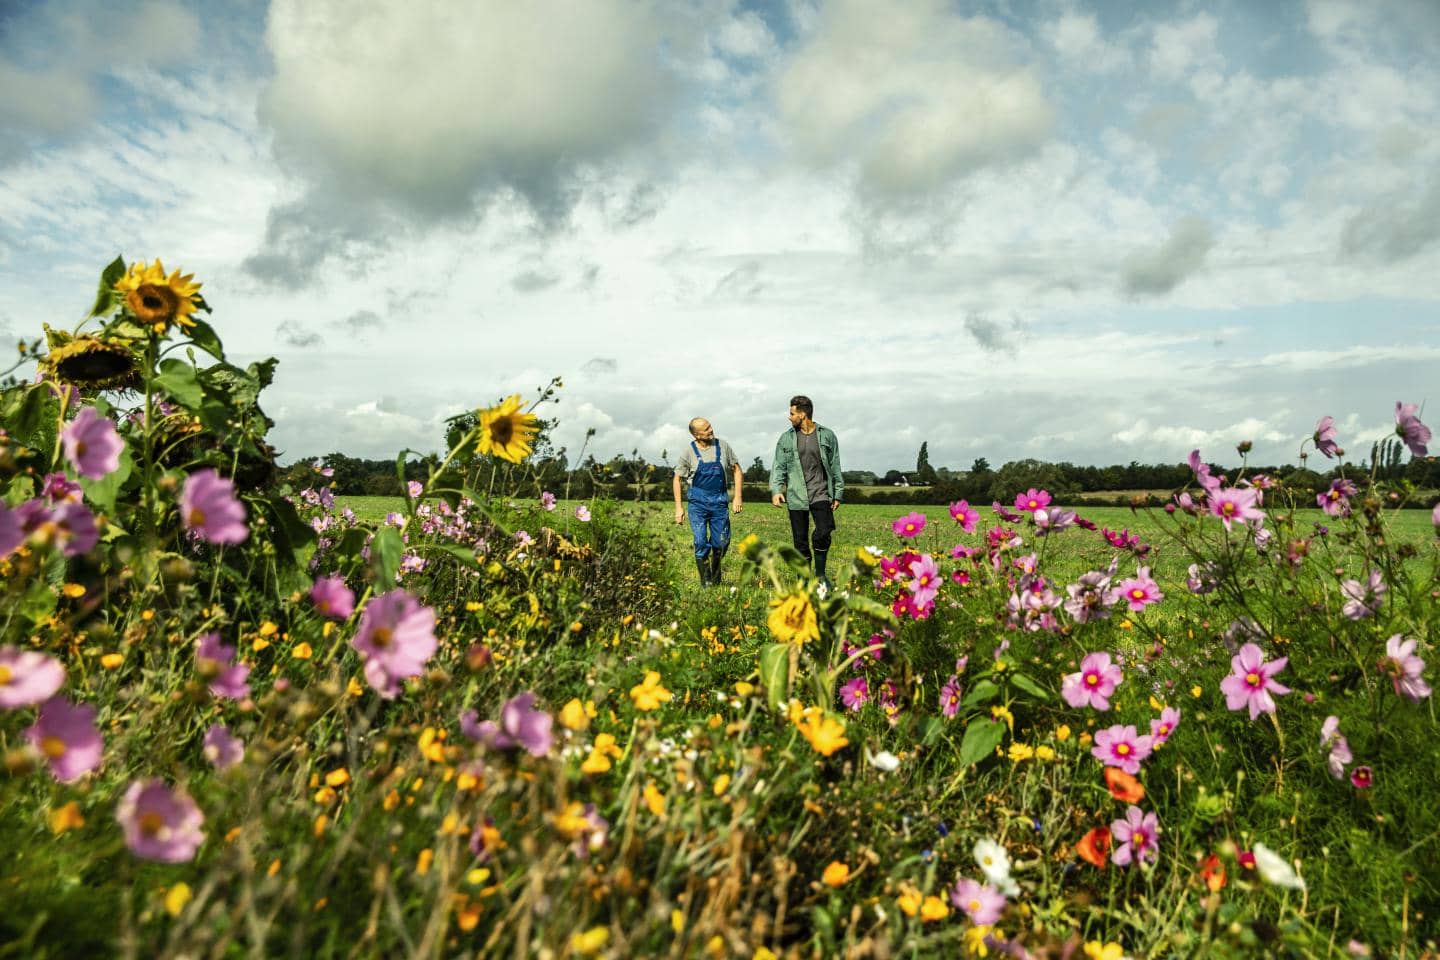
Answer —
(506, 432)
(93, 364)
(157, 300)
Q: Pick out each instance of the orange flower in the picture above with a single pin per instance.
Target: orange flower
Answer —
(1094, 847)
(1212, 871)
(1123, 786)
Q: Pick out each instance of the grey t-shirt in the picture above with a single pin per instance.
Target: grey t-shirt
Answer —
(685, 467)
(807, 447)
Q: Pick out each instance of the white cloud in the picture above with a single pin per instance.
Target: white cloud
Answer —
(1162, 269)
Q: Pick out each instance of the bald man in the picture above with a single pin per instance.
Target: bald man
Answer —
(706, 464)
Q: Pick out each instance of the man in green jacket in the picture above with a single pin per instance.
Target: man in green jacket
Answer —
(805, 478)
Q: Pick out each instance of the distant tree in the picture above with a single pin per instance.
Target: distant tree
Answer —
(757, 473)
(1020, 475)
(891, 478)
(923, 471)
(981, 465)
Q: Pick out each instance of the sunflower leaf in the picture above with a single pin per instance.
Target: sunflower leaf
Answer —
(204, 336)
(180, 381)
(107, 296)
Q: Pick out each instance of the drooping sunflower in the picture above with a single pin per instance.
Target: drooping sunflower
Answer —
(792, 618)
(91, 363)
(507, 432)
(158, 300)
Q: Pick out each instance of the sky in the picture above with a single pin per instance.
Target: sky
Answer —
(1062, 229)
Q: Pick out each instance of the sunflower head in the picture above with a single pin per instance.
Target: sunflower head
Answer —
(157, 300)
(507, 432)
(92, 363)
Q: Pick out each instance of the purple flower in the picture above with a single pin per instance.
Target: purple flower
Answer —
(1091, 596)
(1325, 437)
(855, 693)
(1233, 504)
(75, 529)
(65, 733)
(28, 677)
(332, 598)
(1404, 668)
(1032, 500)
(92, 444)
(1409, 428)
(1252, 681)
(414, 488)
(927, 579)
(547, 500)
(965, 515)
(1120, 746)
(396, 638)
(1339, 749)
(1136, 838)
(1141, 591)
(582, 513)
(981, 903)
(12, 533)
(1201, 469)
(1093, 685)
(209, 508)
(228, 681)
(1336, 500)
(222, 748)
(59, 489)
(1004, 514)
(521, 725)
(1164, 725)
(1052, 520)
(1363, 601)
(160, 823)
(950, 697)
(909, 525)
(1363, 778)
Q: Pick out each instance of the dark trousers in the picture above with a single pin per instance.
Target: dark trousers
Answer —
(824, 515)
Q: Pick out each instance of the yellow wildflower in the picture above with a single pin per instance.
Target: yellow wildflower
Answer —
(1020, 751)
(1003, 713)
(66, 818)
(268, 629)
(1096, 950)
(975, 941)
(590, 942)
(111, 661)
(302, 651)
(338, 777)
(156, 299)
(1044, 753)
(792, 618)
(506, 432)
(73, 590)
(722, 783)
(177, 897)
(933, 909)
(655, 800)
(825, 733)
(1195, 691)
(836, 874)
(1062, 732)
(909, 900)
(649, 694)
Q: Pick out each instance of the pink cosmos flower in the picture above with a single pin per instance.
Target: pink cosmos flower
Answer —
(1136, 838)
(1336, 500)
(1409, 428)
(909, 525)
(521, 725)
(27, 677)
(950, 697)
(1032, 500)
(12, 533)
(160, 822)
(1201, 469)
(1362, 777)
(1233, 504)
(1052, 520)
(1325, 437)
(1140, 591)
(1164, 725)
(414, 488)
(65, 733)
(222, 748)
(1095, 682)
(1404, 669)
(396, 638)
(981, 903)
(73, 526)
(1252, 681)
(332, 599)
(927, 579)
(1005, 515)
(1339, 749)
(855, 693)
(1091, 597)
(228, 680)
(92, 444)
(1120, 746)
(547, 500)
(1363, 601)
(965, 515)
(582, 513)
(209, 508)
(59, 489)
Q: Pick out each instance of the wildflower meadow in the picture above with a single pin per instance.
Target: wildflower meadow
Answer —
(243, 718)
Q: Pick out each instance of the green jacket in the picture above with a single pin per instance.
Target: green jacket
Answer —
(786, 476)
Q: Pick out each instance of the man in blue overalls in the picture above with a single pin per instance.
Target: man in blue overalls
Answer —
(707, 463)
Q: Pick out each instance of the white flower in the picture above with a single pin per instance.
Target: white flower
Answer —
(884, 761)
(994, 862)
(821, 591)
(1275, 869)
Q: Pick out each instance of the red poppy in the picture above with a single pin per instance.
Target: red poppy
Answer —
(1094, 847)
(1123, 786)
(1212, 871)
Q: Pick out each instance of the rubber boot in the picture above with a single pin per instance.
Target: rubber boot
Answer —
(715, 557)
(702, 564)
(819, 563)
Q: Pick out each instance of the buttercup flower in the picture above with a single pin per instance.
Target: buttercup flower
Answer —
(1403, 668)
(27, 677)
(396, 638)
(1136, 837)
(1093, 685)
(65, 733)
(981, 903)
(825, 733)
(792, 618)
(92, 444)
(649, 694)
(332, 599)
(1409, 428)
(1120, 746)
(1251, 683)
(208, 507)
(158, 300)
(160, 822)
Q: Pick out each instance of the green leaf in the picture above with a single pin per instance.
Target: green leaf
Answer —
(870, 608)
(204, 336)
(1029, 686)
(982, 692)
(933, 728)
(180, 380)
(106, 297)
(464, 554)
(385, 552)
(33, 421)
(775, 672)
(981, 738)
(294, 542)
(104, 491)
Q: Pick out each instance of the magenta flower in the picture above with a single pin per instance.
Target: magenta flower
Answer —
(1362, 777)
(65, 733)
(208, 507)
(1201, 469)
(12, 531)
(222, 748)
(1006, 515)
(1409, 428)
(27, 677)
(228, 681)
(1052, 520)
(1233, 504)
(74, 528)
(92, 444)
(1136, 838)
(1093, 685)
(1141, 591)
(950, 697)
(981, 903)
(909, 525)
(855, 693)
(1404, 668)
(1120, 746)
(1363, 601)
(59, 489)
(332, 598)
(396, 638)
(1325, 437)
(1164, 725)
(965, 515)
(547, 500)
(521, 725)
(1336, 500)
(1252, 681)
(927, 579)
(1339, 748)
(1032, 500)
(582, 513)
(414, 488)
(159, 822)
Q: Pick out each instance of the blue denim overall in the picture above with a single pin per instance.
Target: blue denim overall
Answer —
(708, 504)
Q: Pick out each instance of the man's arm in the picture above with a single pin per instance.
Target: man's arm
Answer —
(778, 469)
(739, 499)
(836, 473)
(679, 510)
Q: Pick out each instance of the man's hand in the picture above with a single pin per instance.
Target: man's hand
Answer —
(738, 505)
(834, 505)
(778, 500)
(679, 515)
